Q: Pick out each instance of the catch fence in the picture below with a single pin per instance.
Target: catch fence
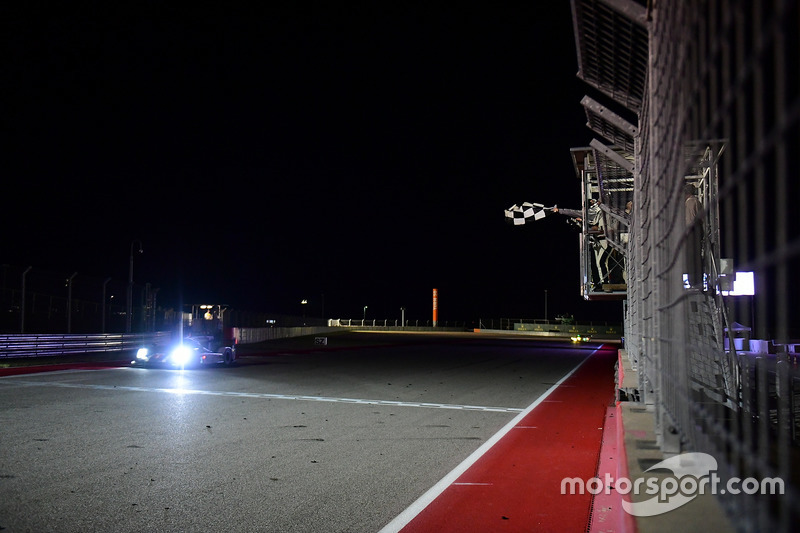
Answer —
(697, 110)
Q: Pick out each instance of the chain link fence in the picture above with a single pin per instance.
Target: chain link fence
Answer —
(36, 300)
(702, 99)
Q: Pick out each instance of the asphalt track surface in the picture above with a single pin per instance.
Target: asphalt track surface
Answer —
(347, 437)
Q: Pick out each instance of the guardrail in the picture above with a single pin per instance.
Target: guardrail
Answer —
(391, 323)
(43, 345)
(255, 335)
(571, 329)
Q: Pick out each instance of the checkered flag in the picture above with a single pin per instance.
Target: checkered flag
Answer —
(527, 212)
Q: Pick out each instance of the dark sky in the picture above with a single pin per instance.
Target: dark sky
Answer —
(361, 151)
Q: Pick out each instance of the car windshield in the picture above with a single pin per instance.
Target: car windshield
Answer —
(192, 343)
(195, 343)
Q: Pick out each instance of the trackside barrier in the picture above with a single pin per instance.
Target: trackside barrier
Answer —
(394, 324)
(253, 335)
(571, 329)
(712, 109)
(45, 345)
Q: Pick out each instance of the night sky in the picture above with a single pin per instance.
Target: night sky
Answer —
(364, 152)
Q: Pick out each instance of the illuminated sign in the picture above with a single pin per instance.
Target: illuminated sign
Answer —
(744, 284)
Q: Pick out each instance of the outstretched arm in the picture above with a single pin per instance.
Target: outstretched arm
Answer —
(568, 212)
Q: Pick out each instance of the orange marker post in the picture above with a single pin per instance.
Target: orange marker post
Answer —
(435, 307)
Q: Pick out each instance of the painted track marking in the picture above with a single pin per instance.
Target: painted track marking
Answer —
(261, 395)
(404, 518)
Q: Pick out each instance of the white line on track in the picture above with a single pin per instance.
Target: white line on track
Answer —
(402, 520)
(359, 401)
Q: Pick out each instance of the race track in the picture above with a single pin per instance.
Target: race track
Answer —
(334, 438)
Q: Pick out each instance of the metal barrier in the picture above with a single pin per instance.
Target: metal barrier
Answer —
(612, 332)
(12, 346)
(387, 323)
(255, 335)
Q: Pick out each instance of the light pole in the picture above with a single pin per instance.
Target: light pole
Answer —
(151, 302)
(545, 305)
(69, 301)
(365, 314)
(22, 309)
(103, 327)
(129, 314)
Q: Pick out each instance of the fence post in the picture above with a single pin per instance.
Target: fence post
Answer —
(103, 321)
(69, 302)
(22, 307)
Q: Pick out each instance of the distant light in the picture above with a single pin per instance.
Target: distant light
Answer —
(303, 302)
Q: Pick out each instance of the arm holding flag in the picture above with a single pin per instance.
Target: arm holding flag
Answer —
(574, 213)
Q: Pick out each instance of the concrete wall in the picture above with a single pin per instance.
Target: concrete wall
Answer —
(253, 335)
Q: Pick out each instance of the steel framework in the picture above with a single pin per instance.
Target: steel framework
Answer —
(705, 93)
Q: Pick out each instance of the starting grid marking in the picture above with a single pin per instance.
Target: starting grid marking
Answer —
(259, 395)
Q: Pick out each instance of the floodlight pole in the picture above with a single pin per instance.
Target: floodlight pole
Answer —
(545, 306)
(22, 307)
(128, 315)
(69, 301)
(103, 327)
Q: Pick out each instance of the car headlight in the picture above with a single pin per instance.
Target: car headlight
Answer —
(142, 353)
(181, 355)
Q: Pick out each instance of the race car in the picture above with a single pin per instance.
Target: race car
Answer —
(190, 352)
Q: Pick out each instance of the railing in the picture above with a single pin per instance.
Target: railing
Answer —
(12, 346)
(532, 323)
(387, 323)
(255, 335)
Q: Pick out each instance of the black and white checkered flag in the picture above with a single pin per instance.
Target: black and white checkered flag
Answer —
(527, 212)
